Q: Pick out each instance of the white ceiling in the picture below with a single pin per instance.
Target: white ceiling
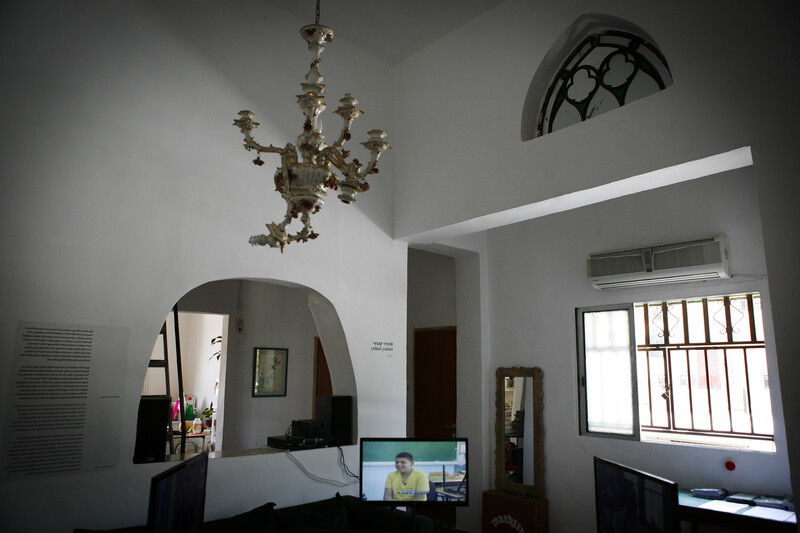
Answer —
(392, 30)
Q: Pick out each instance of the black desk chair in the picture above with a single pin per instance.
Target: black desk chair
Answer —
(458, 493)
(433, 494)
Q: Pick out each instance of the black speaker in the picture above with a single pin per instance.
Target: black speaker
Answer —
(337, 413)
(151, 430)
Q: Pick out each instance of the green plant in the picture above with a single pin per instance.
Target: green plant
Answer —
(216, 340)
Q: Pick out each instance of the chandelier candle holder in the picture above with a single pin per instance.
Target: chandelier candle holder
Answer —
(307, 170)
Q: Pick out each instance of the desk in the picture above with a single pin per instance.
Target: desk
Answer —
(191, 442)
(449, 486)
(691, 511)
(449, 479)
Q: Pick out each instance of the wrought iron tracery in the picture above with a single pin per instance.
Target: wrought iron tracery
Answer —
(606, 63)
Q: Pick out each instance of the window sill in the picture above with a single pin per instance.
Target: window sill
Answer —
(707, 441)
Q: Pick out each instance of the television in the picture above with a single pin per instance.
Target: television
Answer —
(414, 471)
(629, 500)
(178, 497)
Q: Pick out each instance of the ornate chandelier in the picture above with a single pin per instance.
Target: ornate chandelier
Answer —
(307, 170)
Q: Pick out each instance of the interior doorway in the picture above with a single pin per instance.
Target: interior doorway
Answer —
(435, 394)
(322, 376)
(435, 382)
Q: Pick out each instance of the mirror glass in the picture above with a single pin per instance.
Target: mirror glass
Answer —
(519, 455)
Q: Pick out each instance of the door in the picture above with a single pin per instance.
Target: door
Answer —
(435, 382)
(322, 376)
(435, 395)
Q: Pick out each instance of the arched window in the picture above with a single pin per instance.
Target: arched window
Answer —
(600, 63)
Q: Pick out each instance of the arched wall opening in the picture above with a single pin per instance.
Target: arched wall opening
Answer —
(253, 314)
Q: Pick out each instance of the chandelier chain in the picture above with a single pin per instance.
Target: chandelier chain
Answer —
(316, 19)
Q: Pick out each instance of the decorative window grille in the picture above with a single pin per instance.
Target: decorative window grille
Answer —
(606, 70)
(702, 367)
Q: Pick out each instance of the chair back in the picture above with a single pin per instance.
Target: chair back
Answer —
(432, 495)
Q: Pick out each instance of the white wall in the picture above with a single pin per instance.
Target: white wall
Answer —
(475, 377)
(271, 316)
(145, 193)
(538, 278)
(467, 91)
(274, 317)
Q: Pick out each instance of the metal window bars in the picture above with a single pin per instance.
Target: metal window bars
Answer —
(699, 364)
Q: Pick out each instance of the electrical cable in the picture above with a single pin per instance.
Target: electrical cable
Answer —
(315, 477)
(344, 466)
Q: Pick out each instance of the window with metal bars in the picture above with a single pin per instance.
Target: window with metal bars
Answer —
(700, 369)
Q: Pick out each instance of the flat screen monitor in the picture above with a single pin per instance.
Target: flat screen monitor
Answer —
(410, 471)
(178, 497)
(631, 501)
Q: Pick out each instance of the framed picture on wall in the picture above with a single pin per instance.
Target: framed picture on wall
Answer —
(270, 367)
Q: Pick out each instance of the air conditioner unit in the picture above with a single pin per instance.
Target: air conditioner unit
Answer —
(664, 263)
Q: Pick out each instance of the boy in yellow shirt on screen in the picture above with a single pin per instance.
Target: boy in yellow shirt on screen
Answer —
(407, 483)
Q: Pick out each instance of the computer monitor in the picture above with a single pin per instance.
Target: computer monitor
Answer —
(178, 497)
(411, 471)
(629, 500)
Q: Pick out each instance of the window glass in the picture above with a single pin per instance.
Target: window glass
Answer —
(740, 319)
(639, 323)
(696, 321)
(760, 402)
(608, 372)
(658, 387)
(655, 323)
(645, 417)
(759, 320)
(718, 390)
(680, 394)
(675, 323)
(737, 383)
(701, 413)
(718, 325)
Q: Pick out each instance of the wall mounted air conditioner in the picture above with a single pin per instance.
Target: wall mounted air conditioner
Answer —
(664, 263)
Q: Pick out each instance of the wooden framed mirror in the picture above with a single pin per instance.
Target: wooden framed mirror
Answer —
(519, 455)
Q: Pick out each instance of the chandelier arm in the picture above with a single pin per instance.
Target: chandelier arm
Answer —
(250, 144)
(372, 166)
(347, 170)
(277, 237)
(246, 125)
(344, 135)
(332, 155)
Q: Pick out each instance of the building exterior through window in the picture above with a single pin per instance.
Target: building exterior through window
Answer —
(700, 366)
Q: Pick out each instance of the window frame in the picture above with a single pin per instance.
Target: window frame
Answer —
(713, 438)
(582, 398)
